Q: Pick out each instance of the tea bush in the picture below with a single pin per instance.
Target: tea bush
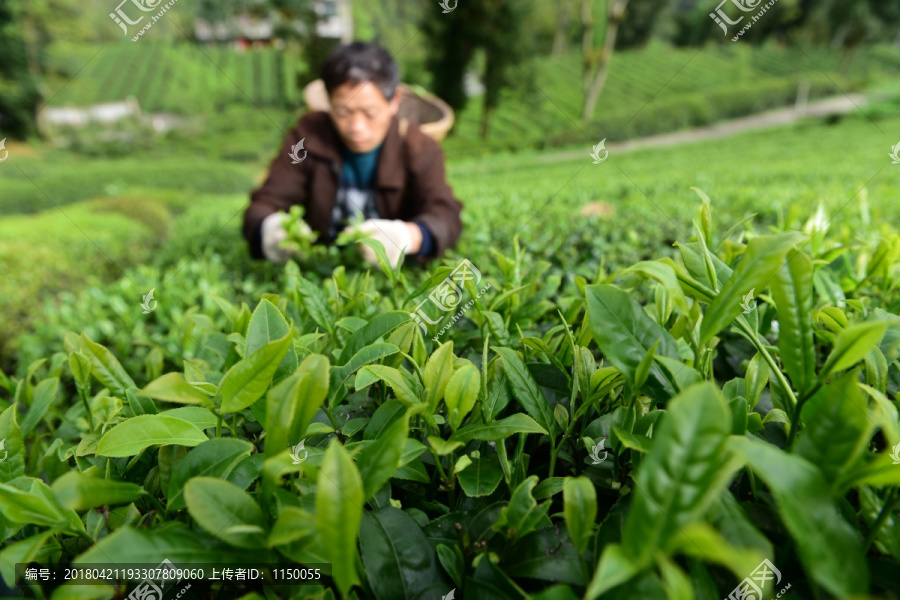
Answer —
(500, 197)
(48, 184)
(703, 86)
(203, 79)
(742, 393)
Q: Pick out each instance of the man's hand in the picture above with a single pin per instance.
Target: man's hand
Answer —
(395, 235)
(274, 235)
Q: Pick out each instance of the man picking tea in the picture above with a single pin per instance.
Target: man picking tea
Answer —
(354, 161)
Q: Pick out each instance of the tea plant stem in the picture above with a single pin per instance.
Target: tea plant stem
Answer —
(451, 463)
(431, 427)
(437, 462)
(753, 487)
(886, 510)
(795, 417)
(157, 503)
(769, 360)
(555, 449)
(504, 462)
(87, 408)
(331, 418)
(218, 425)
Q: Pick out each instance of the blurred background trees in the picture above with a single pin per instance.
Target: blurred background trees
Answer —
(489, 50)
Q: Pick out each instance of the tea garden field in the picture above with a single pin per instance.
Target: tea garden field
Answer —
(703, 86)
(660, 389)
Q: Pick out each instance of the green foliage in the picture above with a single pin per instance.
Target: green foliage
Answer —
(301, 240)
(19, 95)
(323, 425)
(181, 78)
(704, 86)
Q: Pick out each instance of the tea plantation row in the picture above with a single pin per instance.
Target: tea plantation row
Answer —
(616, 417)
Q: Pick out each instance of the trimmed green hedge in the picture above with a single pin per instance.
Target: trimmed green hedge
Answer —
(51, 183)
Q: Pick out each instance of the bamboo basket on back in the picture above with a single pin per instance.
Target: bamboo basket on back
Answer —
(433, 115)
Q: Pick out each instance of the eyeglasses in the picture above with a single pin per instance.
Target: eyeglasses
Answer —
(345, 114)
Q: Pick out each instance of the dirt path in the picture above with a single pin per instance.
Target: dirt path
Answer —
(783, 116)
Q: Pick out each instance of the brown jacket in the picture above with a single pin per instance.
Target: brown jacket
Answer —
(409, 182)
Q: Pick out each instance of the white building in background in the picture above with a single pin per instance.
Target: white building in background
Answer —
(108, 112)
(335, 22)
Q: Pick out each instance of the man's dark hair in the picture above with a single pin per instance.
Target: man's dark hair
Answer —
(359, 62)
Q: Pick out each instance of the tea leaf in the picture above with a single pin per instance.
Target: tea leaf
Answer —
(131, 436)
(226, 511)
(756, 271)
(828, 546)
(437, 373)
(77, 491)
(461, 393)
(250, 377)
(625, 333)
(498, 430)
(398, 384)
(482, 477)
(378, 461)
(14, 447)
(172, 387)
(365, 356)
(852, 344)
(267, 324)
(381, 256)
(683, 474)
(399, 561)
(793, 293)
(378, 327)
(838, 427)
(292, 403)
(178, 543)
(339, 509)
(316, 304)
(213, 458)
(384, 416)
(29, 500)
(141, 404)
(580, 510)
(106, 367)
(615, 568)
(526, 390)
(44, 396)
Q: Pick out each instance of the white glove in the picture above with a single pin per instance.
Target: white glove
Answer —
(393, 234)
(273, 233)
